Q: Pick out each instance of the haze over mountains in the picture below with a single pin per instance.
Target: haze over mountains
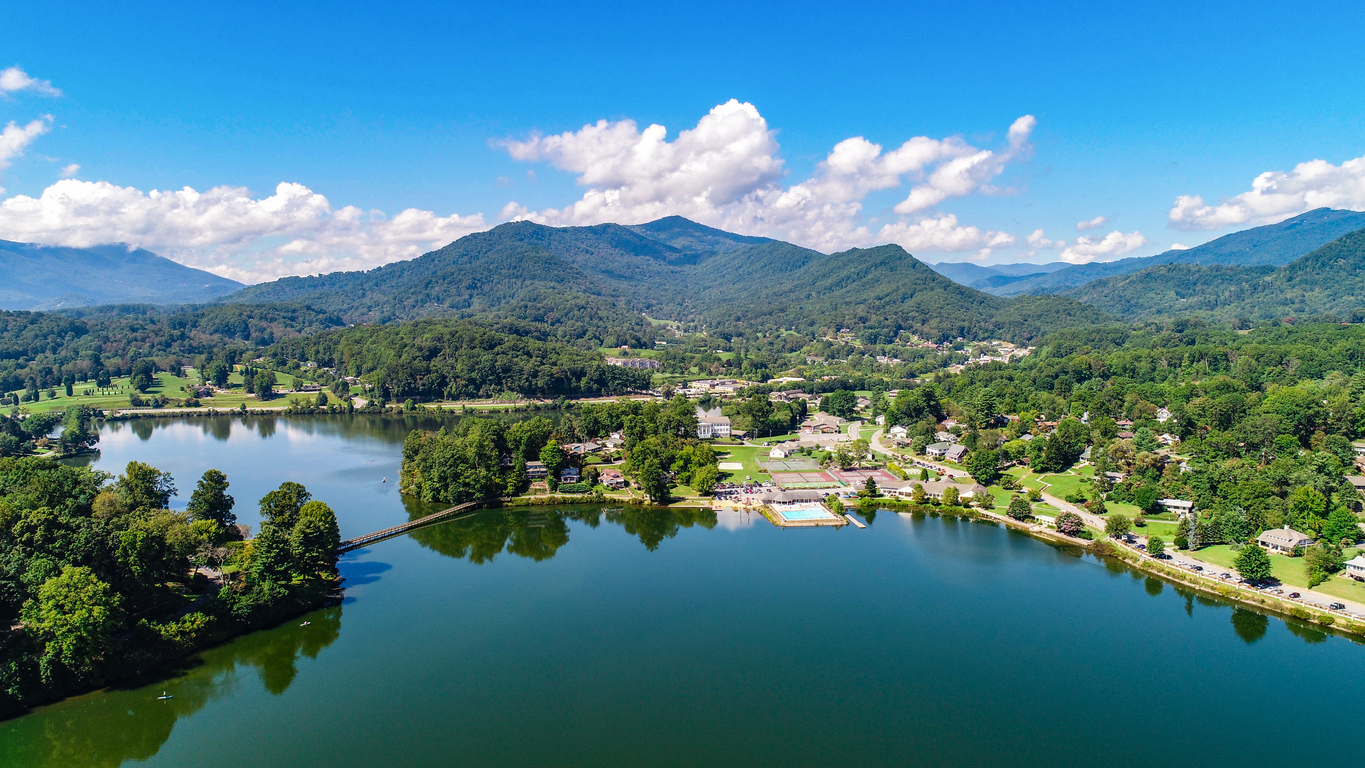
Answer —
(676, 269)
(45, 277)
(606, 276)
(1273, 245)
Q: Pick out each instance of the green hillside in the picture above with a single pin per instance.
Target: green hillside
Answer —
(1270, 245)
(672, 269)
(1328, 281)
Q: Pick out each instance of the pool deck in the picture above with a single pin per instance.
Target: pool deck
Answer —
(775, 516)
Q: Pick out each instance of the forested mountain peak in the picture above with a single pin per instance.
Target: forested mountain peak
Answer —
(688, 235)
(672, 268)
(43, 277)
(1269, 245)
(1328, 281)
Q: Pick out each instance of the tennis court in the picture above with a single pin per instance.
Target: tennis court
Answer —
(790, 465)
(860, 476)
(803, 478)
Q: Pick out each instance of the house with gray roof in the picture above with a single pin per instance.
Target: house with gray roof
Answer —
(1283, 540)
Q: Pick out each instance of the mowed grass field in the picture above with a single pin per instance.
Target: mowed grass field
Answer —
(167, 384)
(747, 455)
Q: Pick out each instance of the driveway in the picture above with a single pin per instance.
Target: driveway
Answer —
(880, 447)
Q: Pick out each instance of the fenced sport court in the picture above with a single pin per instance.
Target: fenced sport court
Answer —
(860, 476)
(788, 479)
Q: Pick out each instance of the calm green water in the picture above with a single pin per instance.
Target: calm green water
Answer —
(581, 637)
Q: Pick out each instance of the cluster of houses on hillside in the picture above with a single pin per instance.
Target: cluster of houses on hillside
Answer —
(646, 363)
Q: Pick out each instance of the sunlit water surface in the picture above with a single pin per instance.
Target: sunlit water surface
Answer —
(583, 636)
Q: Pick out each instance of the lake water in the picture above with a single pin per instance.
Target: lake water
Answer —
(589, 637)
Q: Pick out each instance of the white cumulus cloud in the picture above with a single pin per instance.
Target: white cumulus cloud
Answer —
(726, 172)
(15, 138)
(1095, 223)
(1087, 249)
(942, 233)
(15, 79)
(71, 170)
(228, 231)
(1277, 195)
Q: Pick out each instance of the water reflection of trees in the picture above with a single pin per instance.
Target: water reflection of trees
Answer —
(537, 533)
(126, 723)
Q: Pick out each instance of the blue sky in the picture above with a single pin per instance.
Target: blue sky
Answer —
(435, 109)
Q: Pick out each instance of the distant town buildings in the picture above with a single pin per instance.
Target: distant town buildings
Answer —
(634, 362)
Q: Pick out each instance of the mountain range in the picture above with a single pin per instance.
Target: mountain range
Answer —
(605, 280)
(1328, 281)
(1270, 245)
(675, 269)
(994, 276)
(47, 277)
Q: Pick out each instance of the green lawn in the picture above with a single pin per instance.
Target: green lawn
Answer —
(167, 384)
(1292, 571)
(116, 395)
(1165, 530)
(777, 438)
(749, 456)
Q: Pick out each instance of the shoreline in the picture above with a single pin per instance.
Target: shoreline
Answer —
(316, 600)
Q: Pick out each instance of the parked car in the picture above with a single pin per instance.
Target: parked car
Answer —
(1142, 547)
(1198, 568)
(1294, 595)
(1337, 606)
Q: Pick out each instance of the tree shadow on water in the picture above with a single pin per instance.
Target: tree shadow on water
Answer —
(1249, 625)
(357, 574)
(128, 722)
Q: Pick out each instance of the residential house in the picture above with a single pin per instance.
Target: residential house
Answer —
(568, 475)
(1026, 437)
(581, 449)
(822, 424)
(1283, 540)
(612, 478)
(1163, 415)
(934, 489)
(1167, 438)
(783, 450)
(1180, 507)
(535, 470)
(899, 433)
(1357, 482)
(937, 450)
(956, 453)
(1085, 455)
(1355, 567)
(712, 424)
(881, 419)
(945, 437)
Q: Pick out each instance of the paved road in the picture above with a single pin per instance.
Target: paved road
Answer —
(880, 447)
(1211, 570)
